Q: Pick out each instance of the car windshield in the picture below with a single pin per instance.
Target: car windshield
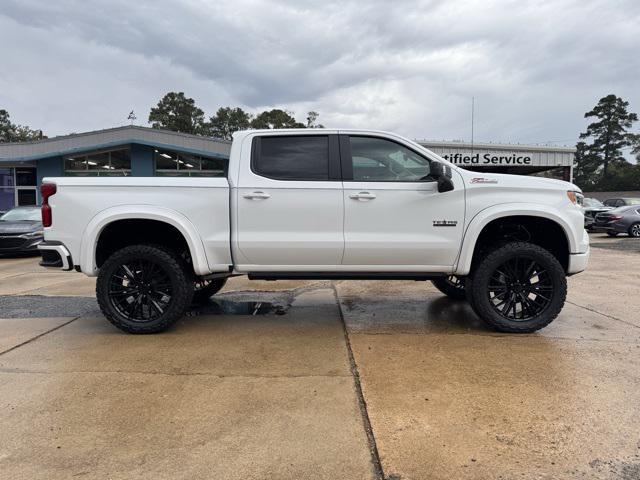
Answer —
(632, 201)
(21, 214)
(593, 202)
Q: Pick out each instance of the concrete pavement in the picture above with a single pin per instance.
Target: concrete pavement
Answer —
(275, 396)
(216, 397)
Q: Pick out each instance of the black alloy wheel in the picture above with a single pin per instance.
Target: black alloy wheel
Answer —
(140, 290)
(452, 286)
(205, 289)
(144, 288)
(520, 289)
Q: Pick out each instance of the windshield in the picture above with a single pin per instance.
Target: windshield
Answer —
(21, 214)
(593, 202)
(632, 201)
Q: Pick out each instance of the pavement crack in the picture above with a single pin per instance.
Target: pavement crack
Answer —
(603, 314)
(378, 471)
(39, 335)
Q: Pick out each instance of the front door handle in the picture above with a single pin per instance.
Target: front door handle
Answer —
(362, 196)
(256, 195)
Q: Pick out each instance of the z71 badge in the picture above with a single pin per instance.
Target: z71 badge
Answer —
(445, 223)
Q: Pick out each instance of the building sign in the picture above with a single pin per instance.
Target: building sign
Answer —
(487, 159)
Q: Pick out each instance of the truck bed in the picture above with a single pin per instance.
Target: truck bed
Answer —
(198, 205)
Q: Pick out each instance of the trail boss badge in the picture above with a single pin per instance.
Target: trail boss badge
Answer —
(445, 223)
(483, 180)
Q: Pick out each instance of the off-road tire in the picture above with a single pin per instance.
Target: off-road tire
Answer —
(202, 293)
(450, 288)
(180, 278)
(634, 230)
(478, 287)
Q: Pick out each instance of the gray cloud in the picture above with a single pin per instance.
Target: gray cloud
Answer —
(409, 66)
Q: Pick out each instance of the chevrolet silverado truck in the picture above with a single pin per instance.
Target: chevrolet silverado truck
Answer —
(319, 204)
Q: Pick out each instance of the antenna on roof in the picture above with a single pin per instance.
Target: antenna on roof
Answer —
(473, 108)
(132, 116)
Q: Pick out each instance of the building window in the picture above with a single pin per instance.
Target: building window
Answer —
(174, 164)
(17, 187)
(111, 163)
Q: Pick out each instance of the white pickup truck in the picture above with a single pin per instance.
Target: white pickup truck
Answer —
(319, 204)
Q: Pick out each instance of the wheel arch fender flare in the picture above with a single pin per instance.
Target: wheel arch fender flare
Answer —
(100, 221)
(486, 216)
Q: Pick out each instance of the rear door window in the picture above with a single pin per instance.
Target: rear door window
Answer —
(291, 158)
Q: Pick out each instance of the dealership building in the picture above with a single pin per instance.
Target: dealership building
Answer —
(554, 162)
(143, 152)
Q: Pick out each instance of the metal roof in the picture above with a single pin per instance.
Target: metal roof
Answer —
(520, 147)
(112, 137)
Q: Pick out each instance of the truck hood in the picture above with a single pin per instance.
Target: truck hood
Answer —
(517, 181)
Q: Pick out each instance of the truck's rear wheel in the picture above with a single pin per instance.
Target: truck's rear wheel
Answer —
(143, 289)
(518, 288)
(452, 286)
(205, 289)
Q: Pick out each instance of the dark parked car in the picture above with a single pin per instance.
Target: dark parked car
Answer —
(621, 202)
(620, 220)
(591, 207)
(21, 230)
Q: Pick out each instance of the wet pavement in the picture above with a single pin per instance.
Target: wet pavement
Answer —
(321, 380)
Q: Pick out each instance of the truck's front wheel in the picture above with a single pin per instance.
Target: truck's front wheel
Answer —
(143, 289)
(518, 288)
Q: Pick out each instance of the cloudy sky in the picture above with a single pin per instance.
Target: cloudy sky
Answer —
(408, 66)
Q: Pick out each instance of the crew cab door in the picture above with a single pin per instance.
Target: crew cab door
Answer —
(289, 204)
(395, 217)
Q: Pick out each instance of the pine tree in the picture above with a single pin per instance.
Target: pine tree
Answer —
(609, 133)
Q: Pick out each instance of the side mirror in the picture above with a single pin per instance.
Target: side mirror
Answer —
(443, 175)
(436, 170)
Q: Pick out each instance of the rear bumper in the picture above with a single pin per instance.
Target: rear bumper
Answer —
(55, 255)
(610, 227)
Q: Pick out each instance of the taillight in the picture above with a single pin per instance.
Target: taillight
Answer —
(615, 217)
(46, 190)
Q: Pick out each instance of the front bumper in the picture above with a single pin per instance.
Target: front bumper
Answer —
(578, 262)
(55, 255)
(19, 243)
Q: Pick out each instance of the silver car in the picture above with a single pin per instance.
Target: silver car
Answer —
(620, 220)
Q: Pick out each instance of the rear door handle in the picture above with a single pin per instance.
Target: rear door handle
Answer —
(362, 196)
(256, 195)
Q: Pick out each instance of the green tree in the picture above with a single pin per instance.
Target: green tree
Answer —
(275, 118)
(10, 132)
(586, 166)
(312, 118)
(178, 113)
(228, 120)
(609, 133)
(634, 139)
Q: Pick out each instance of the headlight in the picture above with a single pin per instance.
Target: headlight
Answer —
(575, 197)
(39, 233)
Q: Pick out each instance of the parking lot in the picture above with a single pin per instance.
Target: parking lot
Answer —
(321, 380)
